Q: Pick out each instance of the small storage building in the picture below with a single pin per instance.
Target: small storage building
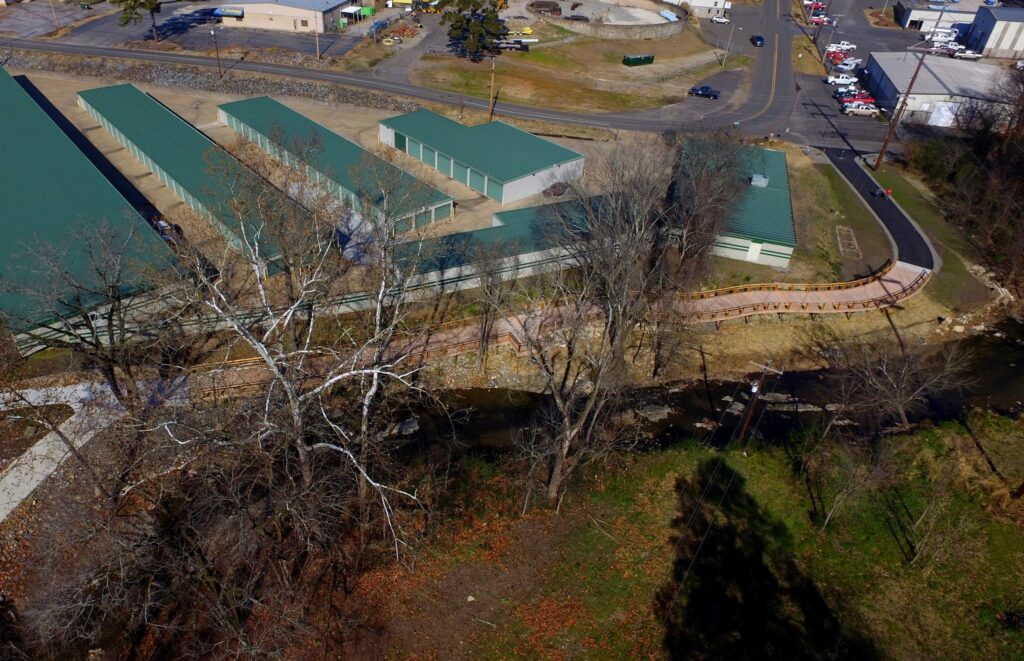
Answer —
(926, 15)
(705, 8)
(942, 89)
(285, 15)
(998, 32)
(760, 228)
(350, 172)
(198, 170)
(494, 159)
(52, 195)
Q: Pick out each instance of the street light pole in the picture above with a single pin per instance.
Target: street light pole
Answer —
(494, 98)
(220, 71)
(54, 11)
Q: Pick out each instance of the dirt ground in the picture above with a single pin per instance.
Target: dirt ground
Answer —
(21, 428)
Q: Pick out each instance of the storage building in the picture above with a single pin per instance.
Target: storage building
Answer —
(52, 196)
(285, 15)
(926, 15)
(198, 170)
(942, 90)
(760, 228)
(997, 32)
(705, 8)
(350, 172)
(495, 159)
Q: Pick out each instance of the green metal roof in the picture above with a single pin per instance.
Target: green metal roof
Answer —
(196, 163)
(50, 193)
(333, 156)
(764, 214)
(502, 152)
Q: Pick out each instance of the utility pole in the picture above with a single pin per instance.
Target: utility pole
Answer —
(894, 121)
(494, 97)
(220, 71)
(316, 35)
(755, 391)
(54, 11)
(728, 45)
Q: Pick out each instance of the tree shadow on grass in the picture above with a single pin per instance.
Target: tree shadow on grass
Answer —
(743, 596)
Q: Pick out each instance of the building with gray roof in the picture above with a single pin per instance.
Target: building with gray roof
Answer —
(997, 32)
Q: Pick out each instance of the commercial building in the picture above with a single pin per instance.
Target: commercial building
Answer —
(926, 15)
(760, 228)
(201, 173)
(285, 15)
(347, 170)
(494, 159)
(944, 88)
(51, 199)
(997, 32)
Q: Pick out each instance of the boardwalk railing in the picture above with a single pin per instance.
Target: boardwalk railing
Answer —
(787, 286)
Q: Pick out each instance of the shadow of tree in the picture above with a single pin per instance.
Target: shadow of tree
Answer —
(743, 596)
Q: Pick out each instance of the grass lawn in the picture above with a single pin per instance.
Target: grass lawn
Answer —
(953, 286)
(583, 73)
(805, 57)
(582, 583)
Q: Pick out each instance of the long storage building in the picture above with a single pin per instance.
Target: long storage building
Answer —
(199, 171)
(51, 198)
(494, 159)
(356, 176)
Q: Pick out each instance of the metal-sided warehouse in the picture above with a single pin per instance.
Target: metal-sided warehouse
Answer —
(342, 167)
(495, 159)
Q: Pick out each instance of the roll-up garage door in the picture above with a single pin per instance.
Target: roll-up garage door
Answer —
(414, 148)
(429, 156)
(494, 190)
(476, 181)
(461, 173)
(444, 164)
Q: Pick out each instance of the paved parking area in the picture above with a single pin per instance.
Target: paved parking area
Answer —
(34, 19)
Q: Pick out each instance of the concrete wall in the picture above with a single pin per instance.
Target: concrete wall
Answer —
(600, 30)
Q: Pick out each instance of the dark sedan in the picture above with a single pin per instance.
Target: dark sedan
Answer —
(757, 40)
(706, 91)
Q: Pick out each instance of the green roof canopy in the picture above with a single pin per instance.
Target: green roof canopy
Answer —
(189, 159)
(502, 152)
(333, 156)
(50, 193)
(764, 214)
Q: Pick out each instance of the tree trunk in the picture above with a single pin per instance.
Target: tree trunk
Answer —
(152, 17)
(555, 479)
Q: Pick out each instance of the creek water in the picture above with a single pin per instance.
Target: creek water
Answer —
(488, 420)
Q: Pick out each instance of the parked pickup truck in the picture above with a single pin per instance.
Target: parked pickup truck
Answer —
(705, 91)
(842, 46)
(861, 109)
(966, 55)
(841, 79)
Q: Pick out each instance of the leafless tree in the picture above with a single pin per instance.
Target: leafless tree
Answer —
(497, 268)
(639, 227)
(277, 482)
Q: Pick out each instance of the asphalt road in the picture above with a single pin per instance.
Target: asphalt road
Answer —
(911, 245)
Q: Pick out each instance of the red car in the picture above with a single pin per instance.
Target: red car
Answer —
(859, 97)
(821, 20)
(816, 5)
(837, 56)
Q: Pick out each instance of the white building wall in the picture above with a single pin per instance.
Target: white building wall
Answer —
(536, 183)
(271, 16)
(745, 250)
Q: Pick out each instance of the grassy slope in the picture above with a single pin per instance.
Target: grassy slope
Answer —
(953, 286)
(594, 598)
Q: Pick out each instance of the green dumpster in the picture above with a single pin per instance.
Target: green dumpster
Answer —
(637, 60)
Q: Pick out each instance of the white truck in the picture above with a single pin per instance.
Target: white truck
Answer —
(861, 109)
(843, 46)
(966, 55)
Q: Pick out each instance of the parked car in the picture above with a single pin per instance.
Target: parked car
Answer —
(1019, 66)
(861, 110)
(705, 91)
(757, 40)
(846, 90)
(843, 46)
(815, 4)
(820, 20)
(966, 54)
(718, 18)
(848, 66)
(841, 79)
(862, 97)
(852, 60)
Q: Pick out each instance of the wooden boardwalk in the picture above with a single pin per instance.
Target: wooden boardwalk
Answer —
(888, 286)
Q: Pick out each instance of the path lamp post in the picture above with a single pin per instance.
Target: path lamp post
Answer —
(216, 48)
